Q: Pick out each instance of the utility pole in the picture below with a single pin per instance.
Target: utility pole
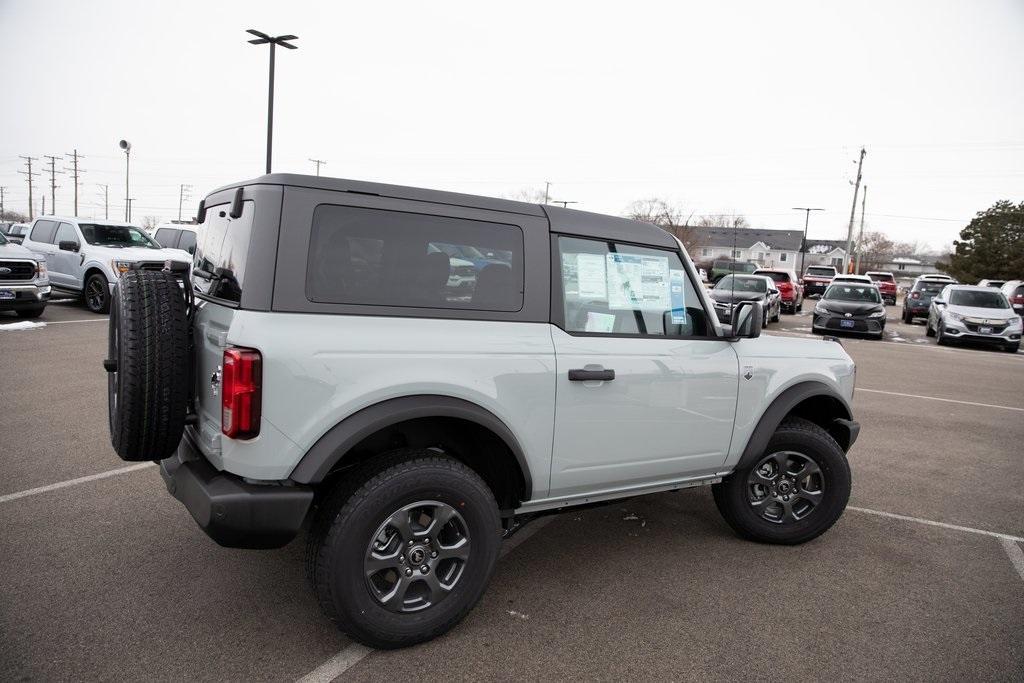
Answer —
(75, 156)
(853, 211)
(128, 208)
(318, 162)
(860, 239)
(803, 244)
(53, 182)
(106, 202)
(547, 191)
(43, 213)
(262, 38)
(183, 191)
(2, 190)
(565, 204)
(28, 174)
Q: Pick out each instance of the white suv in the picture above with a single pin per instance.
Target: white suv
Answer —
(327, 368)
(86, 256)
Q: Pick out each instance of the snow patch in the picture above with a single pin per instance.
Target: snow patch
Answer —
(23, 325)
(519, 615)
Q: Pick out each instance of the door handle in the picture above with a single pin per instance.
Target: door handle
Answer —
(591, 373)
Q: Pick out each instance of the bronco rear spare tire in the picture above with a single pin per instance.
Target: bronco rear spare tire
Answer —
(147, 365)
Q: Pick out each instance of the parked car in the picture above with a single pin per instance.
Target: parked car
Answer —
(850, 307)
(177, 236)
(977, 314)
(817, 279)
(886, 285)
(733, 289)
(992, 283)
(852, 278)
(919, 298)
(24, 285)
(791, 292)
(302, 382)
(723, 267)
(940, 277)
(1013, 290)
(16, 232)
(86, 256)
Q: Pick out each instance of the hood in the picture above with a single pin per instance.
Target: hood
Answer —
(12, 250)
(983, 313)
(854, 307)
(727, 296)
(137, 254)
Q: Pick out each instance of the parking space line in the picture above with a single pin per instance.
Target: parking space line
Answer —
(943, 525)
(82, 320)
(1016, 555)
(945, 400)
(72, 482)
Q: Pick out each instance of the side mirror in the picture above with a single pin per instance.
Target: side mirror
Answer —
(747, 317)
(68, 245)
(938, 302)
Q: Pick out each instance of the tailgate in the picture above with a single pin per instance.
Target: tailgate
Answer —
(210, 335)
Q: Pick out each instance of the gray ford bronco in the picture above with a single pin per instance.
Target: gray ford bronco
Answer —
(407, 376)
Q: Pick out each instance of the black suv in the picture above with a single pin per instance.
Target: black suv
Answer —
(919, 298)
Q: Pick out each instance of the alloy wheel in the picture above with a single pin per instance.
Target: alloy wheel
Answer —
(94, 294)
(785, 487)
(417, 556)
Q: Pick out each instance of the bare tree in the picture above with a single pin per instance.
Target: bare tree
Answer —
(722, 220)
(14, 216)
(875, 250)
(149, 223)
(532, 195)
(668, 216)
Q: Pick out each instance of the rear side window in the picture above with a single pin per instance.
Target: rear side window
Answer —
(392, 258)
(167, 237)
(187, 241)
(43, 231)
(219, 265)
(65, 233)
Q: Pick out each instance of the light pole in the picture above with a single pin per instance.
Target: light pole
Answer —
(127, 147)
(262, 38)
(803, 243)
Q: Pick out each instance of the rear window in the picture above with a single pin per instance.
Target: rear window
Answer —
(774, 275)
(187, 241)
(930, 287)
(43, 231)
(881, 277)
(393, 258)
(167, 237)
(821, 272)
(220, 255)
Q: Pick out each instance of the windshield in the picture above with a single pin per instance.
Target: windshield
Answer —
(977, 298)
(851, 292)
(116, 236)
(821, 272)
(881, 277)
(743, 284)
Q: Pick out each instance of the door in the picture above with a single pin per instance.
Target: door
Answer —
(40, 240)
(65, 266)
(645, 392)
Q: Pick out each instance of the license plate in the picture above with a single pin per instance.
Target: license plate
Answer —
(846, 323)
(985, 330)
(7, 294)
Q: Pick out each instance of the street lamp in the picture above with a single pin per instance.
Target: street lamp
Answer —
(262, 38)
(803, 243)
(127, 147)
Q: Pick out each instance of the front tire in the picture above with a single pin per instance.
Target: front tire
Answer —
(403, 549)
(97, 293)
(30, 312)
(1012, 348)
(793, 493)
(928, 331)
(907, 318)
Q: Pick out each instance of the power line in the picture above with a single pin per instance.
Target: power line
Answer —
(106, 202)
(53, 182)
(75, 156)
(28, 174)
(183, 190)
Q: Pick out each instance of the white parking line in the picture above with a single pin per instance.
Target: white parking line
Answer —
(1016, 555)
(72, 482)
(83, 320)
(944, 400)
(943, 525)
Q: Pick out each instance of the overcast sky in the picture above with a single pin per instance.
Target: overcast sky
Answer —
(752, 107)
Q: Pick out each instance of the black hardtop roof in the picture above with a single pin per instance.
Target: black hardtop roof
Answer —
(562, 220)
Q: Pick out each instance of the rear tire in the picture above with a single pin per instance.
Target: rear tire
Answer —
(147, 385)
(814, 459)
(378, 513)
(30, 312)
(907, 318)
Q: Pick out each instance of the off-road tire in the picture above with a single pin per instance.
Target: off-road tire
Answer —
(100, 302)
(30, 312)
(347, 519)
(813, 442)
(147, 383)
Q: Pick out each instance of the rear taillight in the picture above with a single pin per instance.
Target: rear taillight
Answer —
(915, 295)
(240, 393)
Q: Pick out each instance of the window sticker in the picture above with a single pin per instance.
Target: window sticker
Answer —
(600, 322)
(677, 291)
(638, 282)
(590, 276)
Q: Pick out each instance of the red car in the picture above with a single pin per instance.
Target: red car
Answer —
(791, 294)
(817, 279)
(886, 285)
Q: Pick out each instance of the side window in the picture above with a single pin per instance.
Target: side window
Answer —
(392, 258)
(167, 237)
(65, 233)
(223, 252)
(610, 288)
(187, 241)
(43, 231)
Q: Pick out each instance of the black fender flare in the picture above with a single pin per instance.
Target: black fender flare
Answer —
(840, 424)
(340, 438)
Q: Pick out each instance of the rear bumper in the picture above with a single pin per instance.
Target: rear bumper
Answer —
(233, 512)
(815, 288)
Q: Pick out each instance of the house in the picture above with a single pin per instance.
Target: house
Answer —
(769, 248)
(910, 267)
(825, 253)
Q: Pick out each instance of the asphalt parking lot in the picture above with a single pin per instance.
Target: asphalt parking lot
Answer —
(922, 578)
